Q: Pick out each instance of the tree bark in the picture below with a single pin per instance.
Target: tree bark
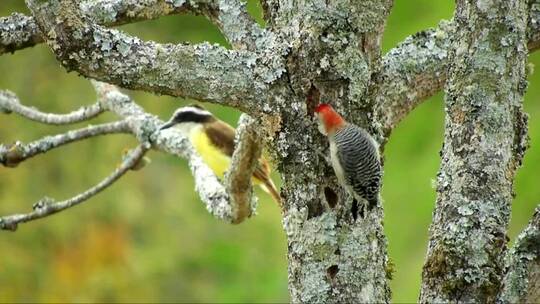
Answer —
(521, 283)
(329, 51)
(333, 54)
(484, 143)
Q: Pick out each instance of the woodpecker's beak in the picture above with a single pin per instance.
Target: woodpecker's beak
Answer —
(166, 125)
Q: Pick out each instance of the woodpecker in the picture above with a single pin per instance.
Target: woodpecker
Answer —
(213, 139)
(354, 155)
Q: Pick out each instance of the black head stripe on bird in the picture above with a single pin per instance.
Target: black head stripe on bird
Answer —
(194, 114)
(198, 106)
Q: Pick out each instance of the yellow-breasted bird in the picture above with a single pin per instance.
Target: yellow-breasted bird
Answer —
(213, 139)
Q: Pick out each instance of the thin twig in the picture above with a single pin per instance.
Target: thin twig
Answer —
(10, 103)
(12, 155)
(48, 206)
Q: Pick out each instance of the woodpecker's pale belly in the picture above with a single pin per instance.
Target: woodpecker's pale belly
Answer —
(338, 169)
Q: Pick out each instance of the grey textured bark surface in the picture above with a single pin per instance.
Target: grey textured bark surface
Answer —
(521, 283)
(328, 51)
(331, 58)
(205, 72)
(484, 143)
(19, 31)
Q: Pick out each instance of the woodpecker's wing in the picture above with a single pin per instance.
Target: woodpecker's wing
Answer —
(360, 161)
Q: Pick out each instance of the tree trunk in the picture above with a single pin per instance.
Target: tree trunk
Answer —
(329, 51)
(333, 55)
(485, 140)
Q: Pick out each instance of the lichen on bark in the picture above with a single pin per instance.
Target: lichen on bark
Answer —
(485, 139)
(329, 51)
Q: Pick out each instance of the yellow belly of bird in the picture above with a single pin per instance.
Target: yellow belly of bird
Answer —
(212, 156)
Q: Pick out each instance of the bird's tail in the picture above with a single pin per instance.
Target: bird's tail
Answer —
(269, 187)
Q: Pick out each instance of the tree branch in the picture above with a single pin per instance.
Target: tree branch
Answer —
(232, 203)
(10, 103)
(204, 72)
(220, 201)
(417, 69)
(11, 156)
(533, 26)
(484, 143)
(412, 72)
(48, 206)
(236, 24)
(243, 163)
(19, 31)
(521, 283)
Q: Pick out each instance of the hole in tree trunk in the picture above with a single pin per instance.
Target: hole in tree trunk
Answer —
(371, 205)
(331, 197)
(332, 271)
(337, 252)
(312, 99)
(315, 209)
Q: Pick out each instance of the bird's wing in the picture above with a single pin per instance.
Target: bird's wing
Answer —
(262, 170)
(221, 136)
(361, 164)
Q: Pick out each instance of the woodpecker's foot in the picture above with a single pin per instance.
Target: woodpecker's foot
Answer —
(371, 205)
(325, 157)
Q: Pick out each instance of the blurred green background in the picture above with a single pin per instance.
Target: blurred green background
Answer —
(149, 239)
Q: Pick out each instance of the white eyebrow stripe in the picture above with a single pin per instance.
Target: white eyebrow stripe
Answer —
(192, 110)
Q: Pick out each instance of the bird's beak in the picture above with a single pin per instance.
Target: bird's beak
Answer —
(166, 125)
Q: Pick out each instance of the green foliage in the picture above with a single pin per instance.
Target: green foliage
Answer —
(148, 238)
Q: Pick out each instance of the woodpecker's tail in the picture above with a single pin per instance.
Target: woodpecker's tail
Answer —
(269, 187)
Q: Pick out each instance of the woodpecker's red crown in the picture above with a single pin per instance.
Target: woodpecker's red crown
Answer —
(322, 107)
(330, 119)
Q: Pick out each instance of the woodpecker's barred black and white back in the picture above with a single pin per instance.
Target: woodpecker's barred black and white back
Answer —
(360, 161)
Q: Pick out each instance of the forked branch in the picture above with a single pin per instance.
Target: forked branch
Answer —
(417, 68)
(19, 31)
(12, 155)
(233, 203)
(521, 283)
(47, 206)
